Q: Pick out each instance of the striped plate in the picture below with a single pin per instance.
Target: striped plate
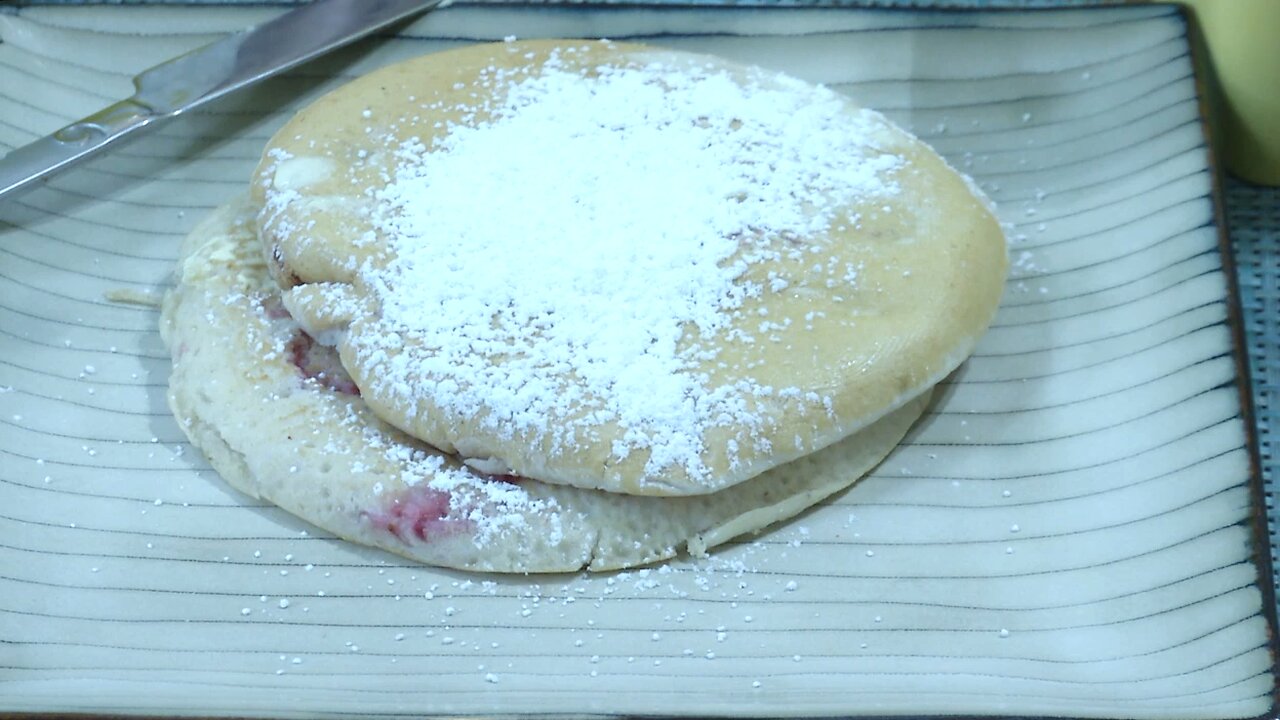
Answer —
(1072, 531)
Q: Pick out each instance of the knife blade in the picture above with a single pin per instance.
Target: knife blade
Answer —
(203, 76)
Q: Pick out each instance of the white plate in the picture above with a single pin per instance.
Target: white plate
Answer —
(1071, 531)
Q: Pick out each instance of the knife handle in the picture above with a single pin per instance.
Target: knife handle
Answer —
(27, 165)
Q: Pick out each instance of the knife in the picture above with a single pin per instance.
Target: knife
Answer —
(202, 76)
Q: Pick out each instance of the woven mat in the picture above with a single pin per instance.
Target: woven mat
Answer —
(1253, 221)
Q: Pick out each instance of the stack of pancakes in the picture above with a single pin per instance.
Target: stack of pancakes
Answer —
(542, 306)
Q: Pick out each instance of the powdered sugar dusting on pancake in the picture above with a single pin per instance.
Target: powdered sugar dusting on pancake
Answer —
(279, 431)
(439, 497)
(581, 252)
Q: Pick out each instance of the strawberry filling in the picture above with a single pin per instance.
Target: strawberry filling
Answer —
(287, 277)
(420, 513)
(319, 363)
(273, 307)
(313, 360)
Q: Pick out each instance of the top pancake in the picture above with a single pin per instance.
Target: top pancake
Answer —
(619, 267)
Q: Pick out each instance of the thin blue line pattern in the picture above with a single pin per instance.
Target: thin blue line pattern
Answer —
(1066, 533)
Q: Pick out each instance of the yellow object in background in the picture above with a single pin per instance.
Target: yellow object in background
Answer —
(1244, 42)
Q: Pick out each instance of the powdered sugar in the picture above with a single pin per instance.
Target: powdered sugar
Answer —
(290, 436)
(483, 508)
(574, 260)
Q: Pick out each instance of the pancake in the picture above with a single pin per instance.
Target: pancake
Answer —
(277, 416)
(622, 268)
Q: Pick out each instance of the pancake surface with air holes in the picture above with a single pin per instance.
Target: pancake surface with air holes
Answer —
(619, 267)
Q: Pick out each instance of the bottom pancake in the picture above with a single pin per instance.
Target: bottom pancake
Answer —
(276, 415)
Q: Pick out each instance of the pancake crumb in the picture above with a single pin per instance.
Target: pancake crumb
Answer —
(131, 296)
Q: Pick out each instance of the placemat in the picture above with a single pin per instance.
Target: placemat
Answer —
(1253, 221)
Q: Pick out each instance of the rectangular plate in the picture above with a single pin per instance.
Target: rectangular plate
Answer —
(1069, 532)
